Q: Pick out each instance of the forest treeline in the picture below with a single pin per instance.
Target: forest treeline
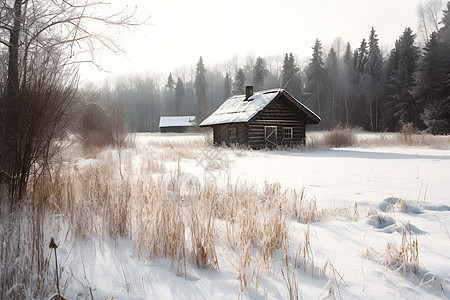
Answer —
(356, 86)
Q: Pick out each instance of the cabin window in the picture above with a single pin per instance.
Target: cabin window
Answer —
(232, 133)
(288, 133)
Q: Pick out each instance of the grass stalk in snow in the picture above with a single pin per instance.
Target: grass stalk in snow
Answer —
(347, 137)
(165, 214)
(405, 256)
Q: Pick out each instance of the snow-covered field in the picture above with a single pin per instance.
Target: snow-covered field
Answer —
(373, 223)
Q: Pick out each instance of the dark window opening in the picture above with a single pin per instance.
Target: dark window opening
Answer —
(288, 133)
(232, 133)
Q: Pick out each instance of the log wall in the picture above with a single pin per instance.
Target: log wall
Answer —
(280, 113)
(221, 134)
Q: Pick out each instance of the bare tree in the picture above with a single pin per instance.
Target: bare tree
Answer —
(429, 15)
(45, 42)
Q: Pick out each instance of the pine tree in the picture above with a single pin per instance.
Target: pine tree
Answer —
(362, 56)
(431, 74)
(444, 31)
(239, 82)
(390, 86)
(347, 81)
(433, 90)
(200, 90)
(259, 73)
(348, 55)
(371, 79)
(170, 82)
(316, 79)
(179, 95)
(332, 75)
(291, 79)
(401, 106)
(227, 86)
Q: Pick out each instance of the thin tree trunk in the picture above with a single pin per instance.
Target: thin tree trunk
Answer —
(346, 107)
(12, 153)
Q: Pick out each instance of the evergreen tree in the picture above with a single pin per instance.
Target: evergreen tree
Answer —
(433, 85)
(362, 56)
(348, 55)
(355, 59)
(227, 86)
(291, 79)
(332, 74)
(170, 101)
(371, 79)
(200, 90)
(389, 86)
(259, 73)
(316, 79)
(239, 82)
(179, 95)
(431, 75)
(401, 104)
(346, 76)
(444, 31)
(170, 82)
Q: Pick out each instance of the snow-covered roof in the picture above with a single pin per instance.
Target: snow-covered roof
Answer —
(177, 121)
(239, 110)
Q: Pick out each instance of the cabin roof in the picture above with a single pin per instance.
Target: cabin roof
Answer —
(177, 121)
(237, 109)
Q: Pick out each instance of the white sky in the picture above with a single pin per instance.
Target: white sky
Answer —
(181, 31)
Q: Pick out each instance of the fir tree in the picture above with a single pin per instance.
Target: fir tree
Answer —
(390, 86)
(348, 55)
(200, 90)
(179, 95)
(239, 82)
(332, 75)
(433, 84)
(347, 77)
(401, 104)
(444, 31)
(371, 79)
(316, 78)
(291, 79)
(227, 86)
(170, 82)
(259, 73)
(362, 56)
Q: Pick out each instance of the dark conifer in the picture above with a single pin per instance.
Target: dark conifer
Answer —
(200, 90)
(259, 73)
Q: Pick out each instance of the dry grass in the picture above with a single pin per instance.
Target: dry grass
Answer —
(347, 137)
(129, 193)
(404, 257)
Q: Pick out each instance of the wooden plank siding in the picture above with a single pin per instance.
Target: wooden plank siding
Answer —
(280, 113)
(221, 134)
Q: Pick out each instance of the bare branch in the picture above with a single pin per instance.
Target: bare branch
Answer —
(5, 43)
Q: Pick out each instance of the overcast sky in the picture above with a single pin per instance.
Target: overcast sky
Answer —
(181, 31)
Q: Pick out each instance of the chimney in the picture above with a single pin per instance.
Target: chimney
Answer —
(248, 92)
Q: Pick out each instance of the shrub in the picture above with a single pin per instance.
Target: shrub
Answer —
(102, 125)
(340, 137)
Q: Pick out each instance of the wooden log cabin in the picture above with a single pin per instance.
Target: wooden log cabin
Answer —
(263, 119)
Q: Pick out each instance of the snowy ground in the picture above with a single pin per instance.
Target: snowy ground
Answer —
(394, 188)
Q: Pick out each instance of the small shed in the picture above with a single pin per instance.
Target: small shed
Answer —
(176, 123)
(263, 119)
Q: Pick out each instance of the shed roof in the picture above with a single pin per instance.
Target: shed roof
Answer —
(177, 121)
(239, 110)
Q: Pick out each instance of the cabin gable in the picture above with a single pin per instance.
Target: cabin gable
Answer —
(280, 115)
